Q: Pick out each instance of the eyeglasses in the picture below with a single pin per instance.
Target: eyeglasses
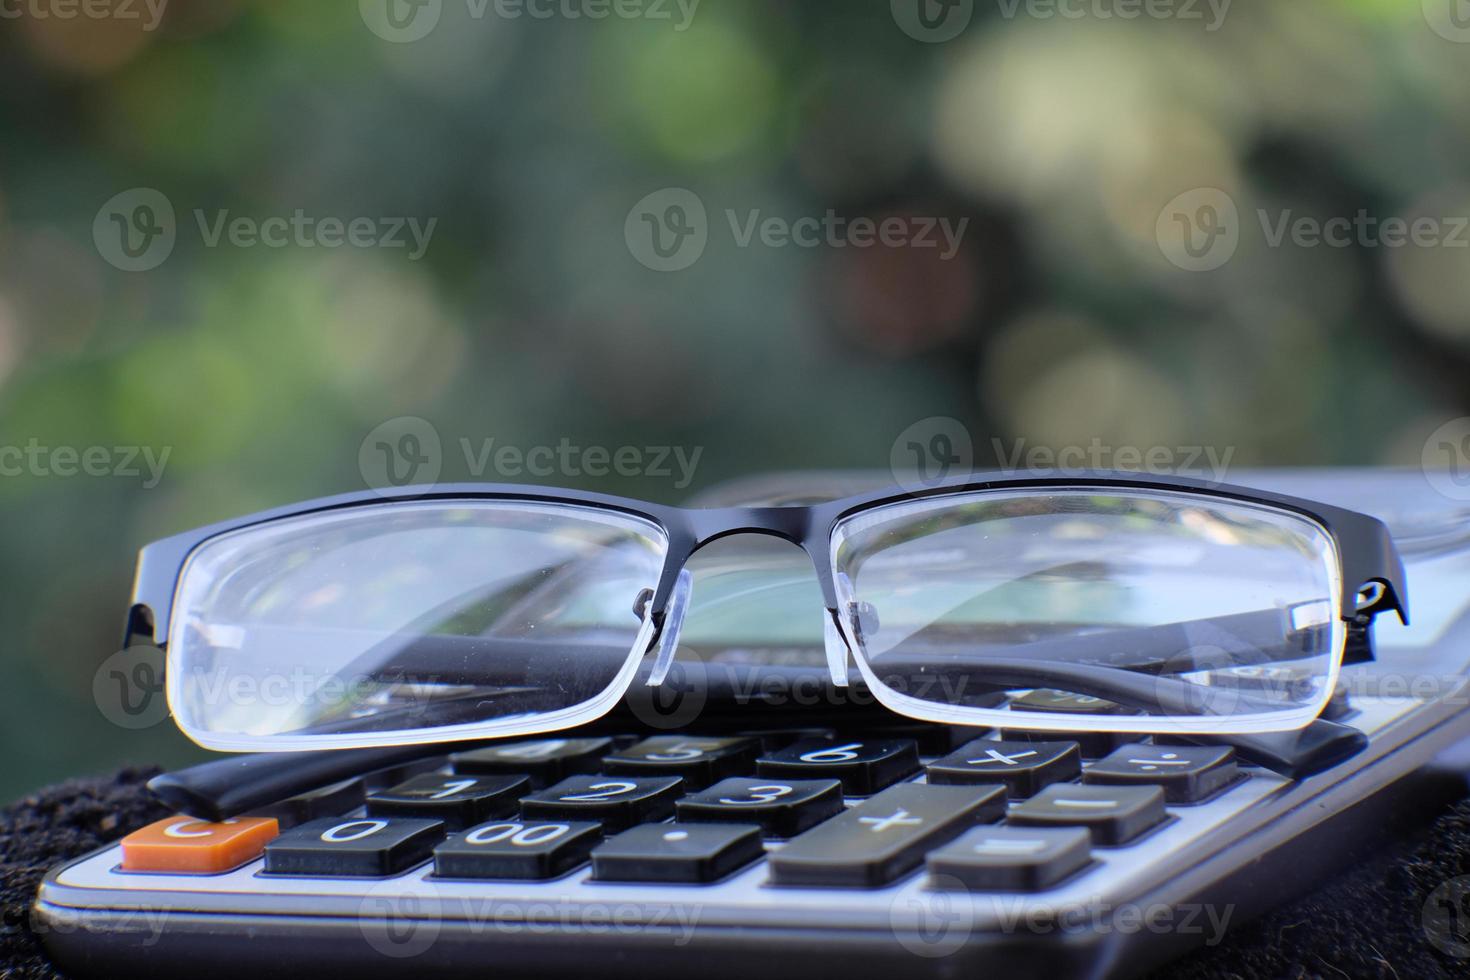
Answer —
(462, 612)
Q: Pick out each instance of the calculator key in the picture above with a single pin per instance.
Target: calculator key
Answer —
(700, 761)
(616, 802)
(772, 739)
(1285, 681)
(675, 853)
(544, 761)
(782, 808)
(1093, 745)
(884, 838)
(328, 801)
(1011, 858)
(1026, 768)
(1340, 705)
(183, 844)
(360, 847)
(517, 849)
(863, 766)
(1067, 703)
(460, 801)
(931, 738)
(393, 775)
(1114, 814)
(1188, 773)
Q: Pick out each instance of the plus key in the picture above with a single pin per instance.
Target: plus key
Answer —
(885, 837)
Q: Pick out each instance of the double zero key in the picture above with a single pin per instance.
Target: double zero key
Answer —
(516, 849)
(884, 838)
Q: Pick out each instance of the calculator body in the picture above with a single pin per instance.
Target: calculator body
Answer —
(1128, 898)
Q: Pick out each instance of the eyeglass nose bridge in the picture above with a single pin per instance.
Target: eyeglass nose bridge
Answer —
(671, 599)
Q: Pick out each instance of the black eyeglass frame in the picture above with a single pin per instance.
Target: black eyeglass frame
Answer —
(1372, 574)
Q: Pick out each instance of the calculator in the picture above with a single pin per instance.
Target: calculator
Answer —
(761, 836)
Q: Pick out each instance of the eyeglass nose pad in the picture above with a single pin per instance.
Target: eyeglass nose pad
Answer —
(668, 642)
(837, 652)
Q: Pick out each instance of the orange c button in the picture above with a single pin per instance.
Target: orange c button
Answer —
(197, 846)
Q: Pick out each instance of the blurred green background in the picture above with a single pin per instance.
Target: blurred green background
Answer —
(531, 318)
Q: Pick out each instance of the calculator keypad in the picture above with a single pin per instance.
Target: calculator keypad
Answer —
(818, 809)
